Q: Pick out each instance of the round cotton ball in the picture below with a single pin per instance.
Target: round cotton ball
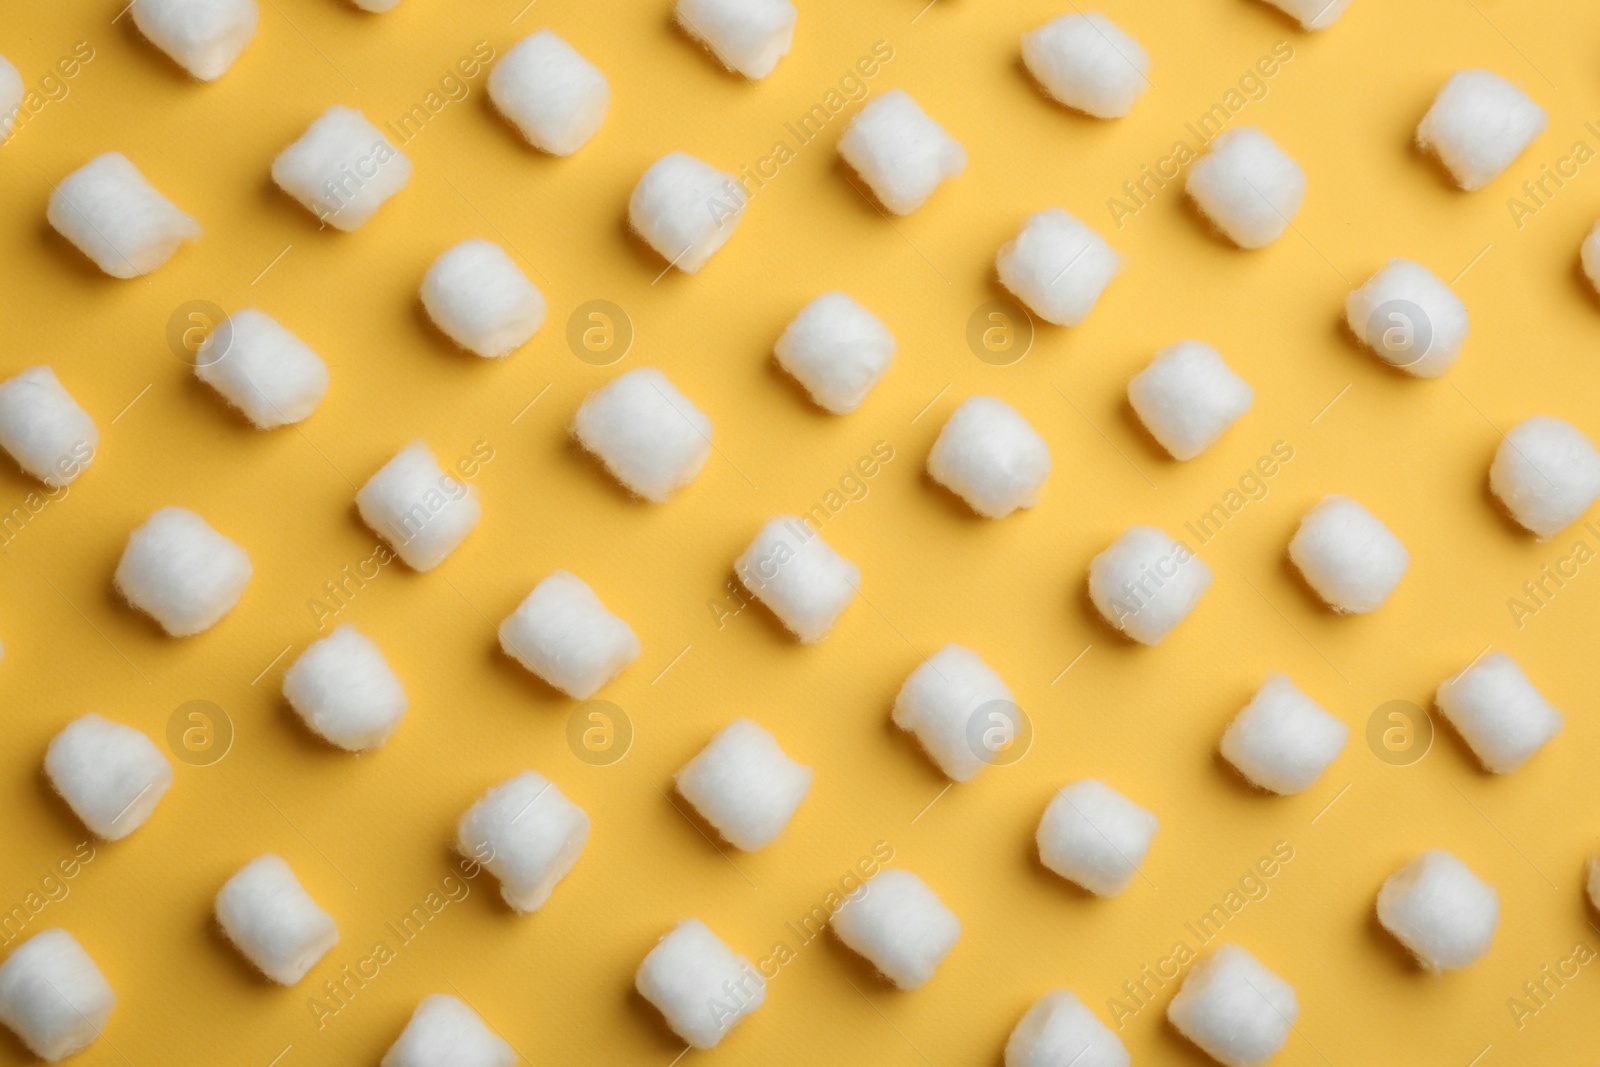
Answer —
(528, 834)
(119, 220)
(11, 93)
(939, 701)
(204, 37)
(748, 36)
(900, 926)
(181, 572)
(52, 996)
(700, 985)
(1057, 266)
(1547, 474)
(1247, 186)
(1436, 907)
(1408, 318)
(744, 784)
(553, 96)
(111, 775)
(44, 429)
(1060, 1031)
(1312, 14)
(685, 209)
(1283, 740)
(1094, 836)
(1146, 583)
(273, 921)
(1478, 125)
(1234, 1008)
(344, 690)
(262, 369)
(418, 508)
(798, 576)
(563, 633)
(901, 153)
(480, 299)
(444, 1031)
(990, 456)
(837, 349)
(1499, 713)
(649, 435)
(342, 169)
(1347, 555)
(1187, 397)
(1086, 62)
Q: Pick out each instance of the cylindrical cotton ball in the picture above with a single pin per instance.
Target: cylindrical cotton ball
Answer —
(342, 168)
(1436, 907)
(1060, 1031)
(52, 996)
(528, 834)
(204, 37)
(1247, 186)
(901, 153)
(899, 925)
(481, 300)
(344, 690)
(262, 369)
(700, 985)
(1146, 583)
(418, 508)
(744, 784)
(1478, 125)
(1094, 836)
(649, 435)
(564, 634)
(946, 701)
(991, 457)
(1187, 397)
(273, 921)
(444, 1031)
(837, 349)
(1283, 740)
(1347, 555)
(1547, 473)
(1086, 62)
(553, 96)
(1312, 14)
(181, 572)
(798, 576)
(118, 219)
(1497, 710)
(685, 209)
(1234, 1008)
(44, 429)
(111, 775)
(11, 93)
(1408, 318)
(1057, 266)
(748, 36)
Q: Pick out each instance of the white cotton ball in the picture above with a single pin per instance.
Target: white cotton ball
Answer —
(1146, 583)
(181, 572)
(748, 36)
(564, 634)
(899, 926)
(1347, 555)
(11, 94)
(1060, 1031)
(1057, 266)
(1093, 835)
(744, 784)
(1247, 186)
(344, 690)
(444, 1031)
(342, 168)
(111, 775)
(1499, 713)
(1187, 397)
(1547, 473)
(900, 152)
(648, 434)
(44, 429)
(1234, 1008)
(990, 456)
(1436, 907)
(1409, 318)
(114, 216)
(700, 985)
(480, 299)
(553, 96)
(1478, 125)
(837, 349)
(262, 369)
(418, 508)
(798, 576)
(273, 921)
(203, 37)
(1087, 63)
(1312, 14)
(685, 209)
(947, 699)
(1283, 740)
(528, 834)
(52, 996)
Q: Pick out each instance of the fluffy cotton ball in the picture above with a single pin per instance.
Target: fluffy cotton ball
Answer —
(115, 217)
(204, 37)
(1436, 907)
(344, 690)
(1060, 1030)
(111, 775)
(798, 576)
(273, 921)
(947, 700)
(1478, 125)
(52, 996)
(11, 93)
(1312, 14)
(1347, 555)
(262, 369)
(1234, 1008)
(990, 456)
(837, 349)
(899, 925)
(748, 36)
(418, 508)
(1283, 740)
(700, 985)
(550, 93)
(1409, 318)
(744, 784)
(900, 152)
(1497, 710)
(564, 634)
(1057, 266)
(342, 168)
(1086, 62)
(444, 1031)
(1247, 186)
(480, 299)
(1547, 473)
(1187, 397)
(685, 209)
(1146, 583)
(44, 429)
(528, 834)
(649, 435)
(181, 572)
(1094, 836)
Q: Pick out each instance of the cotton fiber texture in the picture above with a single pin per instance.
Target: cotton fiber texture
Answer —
(342, 168)
(901, 153)
(1312, 14)
(181, 572)
(44, 429)
(899, 926)
(647, 434)
(700, 985)
(1146, 583)
(564, 634)
(273, 921)
(111, 775)
(11, 94)
(528, 834)
(748, 36)
(837, 349)
(1087, 63)
(1547, 473)
(685, 209)
(1436, 907)
(990, 456)
(1057, 266)
(262, 369)
(1234, 1008)
(203, 37)
(798, 576)
(1247, 186)
(1348, 556)
(945, 702)
(1283, 740)
(115, 217)
(1478, 125)
(744, 784)
(1094, 836)
(52, 996)
(1187, 397)
(418, 508)
(553, 96)
(481, 300)
(344, 690)
(1060, 1030)
(444, 1031)
(1408, 318)
(1499, 713)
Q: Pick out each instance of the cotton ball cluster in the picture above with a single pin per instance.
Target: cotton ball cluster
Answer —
(262, 369)
(1247, 186)
(1060, 1030)
(44, 429)
(52, 996)
(744, 784)
(700, 985)
(344, 690)
(111, 775)
(901, 153)
(649, 435)
(119, 220)
(1347, 555)
(1283, 740)
(1312, 14)
(945, 700)
(480, 299)
(1235, 1009)
(444, 1031)
(273, 921)
(1436, 907)
(1057, 266)
(899, 926)
(837, 349)
(1086, 62)
(1146, 583)
(564, 634)
(1547, 473)
(11, 94)
(798, 576)
(181, 572)
(1187, 397)
(418, 508)
(203, 37)
(685, 209)
(342, 168)
(1478, 125)
(990, 456)
(1094, 836)
(528, 834)
(748, 36)
(1409, 318)
(1499, 713)
(553, 96)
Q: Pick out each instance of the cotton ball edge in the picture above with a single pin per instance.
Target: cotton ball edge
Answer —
(181, 572)
(1499, 713)
(901, 153)
(553, 96)
(1247, 186)
(1478, 125)
(444, 1031)
(1057, 266)
(1060, 1030)
(1283, 740)
(798, 576)
(1436, 907)
(273, 921)
(744, 784)
(529, 836)
(262, 369)
(1347, 555)
(1188, 397)
(747, 36)
(1547, 474)
(565, 635)
(52, 996)
(1146, 583)
(119, 220)
(898, 925)
(11, 94)
(44, 429)
(1235, 1009)
(111, 775)
(1085, 62)
(1093, 835)
(1312, 14)
(1408, 318)
(837, 349)
(204, 37)
(700, 985)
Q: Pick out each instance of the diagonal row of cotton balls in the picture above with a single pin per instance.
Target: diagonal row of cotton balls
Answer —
(899, 925)
(44, 429)
(945, 703)
(798, 576)
(344, 690)
(1499, 713)
(1146, 583)
(1234, 1008)
(444, 1031)
(1247, 186)
(747, 36)
(111, 775)
(181, 572)
(1094, 836)
(685, 209)
(701, 986)
(1547, 474)
(1408, 318)
(259, 367)
(900, 152)
(1085, 62)
(1188, 397)
(1347, 555)
(837, 349)
(11, 94)
(342, 168)
(1283, 740)
(1059, 1029)
(527, 834)
(273, 922)
(420, 510)
(1477, 126)
(990, 456)
(554, 97)
(744, 784)
(481, 300)
(1312, 14)
(203, 37)
(1439, 910)
(52, 996)
(564, 634)
(646, 433)
(113, 215)
(1057, 266)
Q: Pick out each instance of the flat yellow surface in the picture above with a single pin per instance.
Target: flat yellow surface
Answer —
(370, 836)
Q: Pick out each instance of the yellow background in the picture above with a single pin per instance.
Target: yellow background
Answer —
(370, 836)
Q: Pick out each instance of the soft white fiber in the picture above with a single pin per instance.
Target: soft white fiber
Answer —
(837, 349)
(700, 985)
(1234, 1008)
(203, 37)
(52, 996)
(444, 1031)
(991, 457)
(181, 572)
(1060, 1031)
(273, 921)
(1347, 555)
(1312, 14)
(649, 435)
(564, 634)
(940, 699)
(111, 775)
(344, 690)
(342, 168)
(118, 219)
(1086, 62)
(1057, 266)
(556, 98)
(418, 508)
(899, 926)
(1187, 397)
(748, 36)
(262, 369)
(11, 94)
(1408, 318)
(685, 209)
(1436, 907)
(44, 429)
(1478, 125)
(1247, 186)
(900, 152)
(1499, 713)
(1546, 472)
(1093, 835)
(1283, 740)
(744, 784)
(481, 300)
(528, 834)
(798, 576)
(1146, 583)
